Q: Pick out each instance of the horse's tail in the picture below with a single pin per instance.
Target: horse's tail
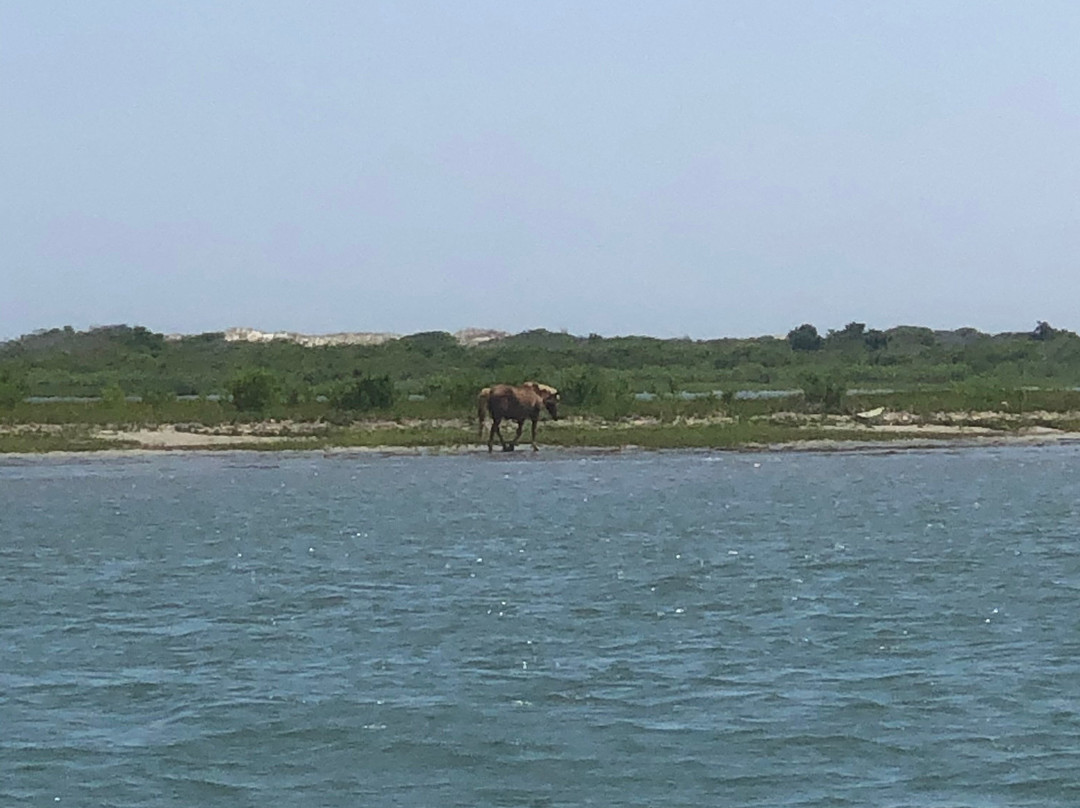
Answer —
(481, 410)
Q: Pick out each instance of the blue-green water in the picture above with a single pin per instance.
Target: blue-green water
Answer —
(663, 629)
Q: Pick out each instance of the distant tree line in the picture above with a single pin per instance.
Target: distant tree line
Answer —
(599, 373)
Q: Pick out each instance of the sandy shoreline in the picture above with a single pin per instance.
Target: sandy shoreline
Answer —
(160, 442)
(895, 432)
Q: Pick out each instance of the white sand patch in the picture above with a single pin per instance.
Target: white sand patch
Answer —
(168, 437)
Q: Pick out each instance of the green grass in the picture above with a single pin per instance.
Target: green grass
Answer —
(411, 436)
(648, 436)
(666, 409)
(68, 426)
(970, 399)
(708, 436)
(600, 435)
(70, 439)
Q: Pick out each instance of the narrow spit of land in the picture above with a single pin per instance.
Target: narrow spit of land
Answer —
(790, 431)
(119, 387)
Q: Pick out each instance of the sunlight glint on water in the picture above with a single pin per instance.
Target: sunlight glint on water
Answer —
(636, 629)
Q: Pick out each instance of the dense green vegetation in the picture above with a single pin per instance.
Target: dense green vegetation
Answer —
(429, 375)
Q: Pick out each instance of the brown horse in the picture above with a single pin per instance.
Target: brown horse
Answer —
(505, 402)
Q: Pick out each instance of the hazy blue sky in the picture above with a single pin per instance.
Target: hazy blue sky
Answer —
(669, 168)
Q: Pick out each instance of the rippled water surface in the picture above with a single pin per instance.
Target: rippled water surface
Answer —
(680, 629)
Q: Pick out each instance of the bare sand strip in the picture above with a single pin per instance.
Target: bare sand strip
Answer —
(168, 437)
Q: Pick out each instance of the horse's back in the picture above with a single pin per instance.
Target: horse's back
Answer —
(507, 401)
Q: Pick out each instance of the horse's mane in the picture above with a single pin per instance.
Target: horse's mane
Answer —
(542, 389)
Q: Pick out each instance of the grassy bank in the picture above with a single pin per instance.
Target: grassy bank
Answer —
(203, 412)
(660, 422)
(461, 436)
(73, 438)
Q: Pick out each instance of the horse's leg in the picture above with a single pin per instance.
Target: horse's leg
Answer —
(521, 426)
(502, 441)
(494, 429)
(535, 447)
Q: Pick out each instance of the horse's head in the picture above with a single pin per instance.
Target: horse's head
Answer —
(551, 404)
(549, 395)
